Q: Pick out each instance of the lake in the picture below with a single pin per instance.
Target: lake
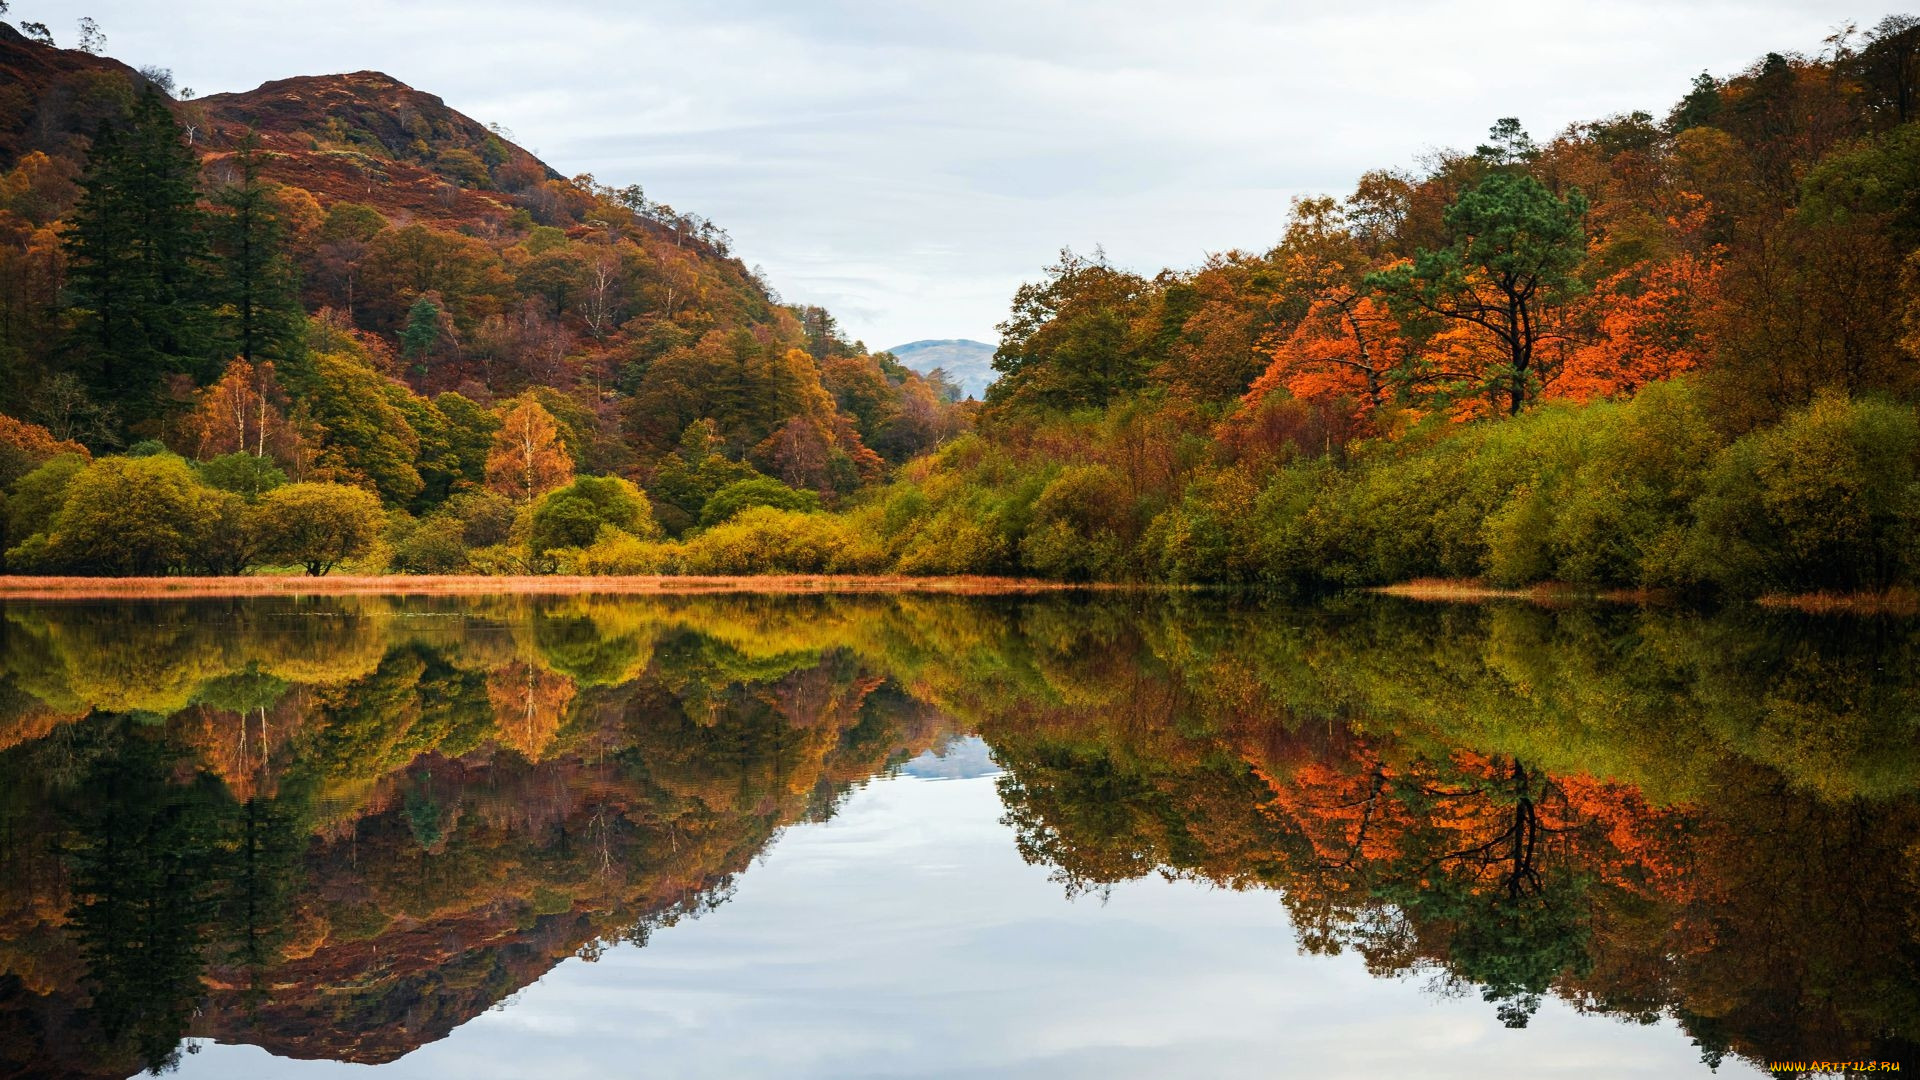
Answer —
(1101, 835)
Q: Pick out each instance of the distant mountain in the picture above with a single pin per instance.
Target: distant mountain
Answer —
(968, 364)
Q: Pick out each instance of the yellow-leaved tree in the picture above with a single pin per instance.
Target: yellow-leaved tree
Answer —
(527, 459)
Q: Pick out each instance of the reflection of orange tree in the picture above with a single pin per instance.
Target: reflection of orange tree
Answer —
(521, 863)
(1133, 743)
(1489, 860)
(528, 704)
(1763, 920)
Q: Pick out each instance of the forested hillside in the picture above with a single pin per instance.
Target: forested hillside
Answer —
(1650, 350)
(332, 321)
(340, 280)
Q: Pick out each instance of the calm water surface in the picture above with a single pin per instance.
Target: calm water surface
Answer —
(938, 836)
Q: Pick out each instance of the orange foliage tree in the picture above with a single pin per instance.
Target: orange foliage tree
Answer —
(240, 413)
(1649, 324)
(1348, 347)
(23, 446)
(527, 459)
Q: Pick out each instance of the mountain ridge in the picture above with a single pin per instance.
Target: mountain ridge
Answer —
(370, 135)
(966, 363)
(363, 136)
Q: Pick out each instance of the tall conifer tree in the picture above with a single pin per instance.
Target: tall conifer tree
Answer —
(257, 286)
(139, 266)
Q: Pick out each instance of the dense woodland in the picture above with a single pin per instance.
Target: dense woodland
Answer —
(331, 322)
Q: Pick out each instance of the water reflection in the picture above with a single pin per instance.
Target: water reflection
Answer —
(340, 828)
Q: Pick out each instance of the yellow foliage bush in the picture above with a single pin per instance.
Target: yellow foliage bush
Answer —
(764, 540)
(615, 552)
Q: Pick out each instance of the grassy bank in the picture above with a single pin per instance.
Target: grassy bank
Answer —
(19, 587)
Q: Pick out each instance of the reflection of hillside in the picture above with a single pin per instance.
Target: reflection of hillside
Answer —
(1383, 769)
(367, 862)
(341, 827)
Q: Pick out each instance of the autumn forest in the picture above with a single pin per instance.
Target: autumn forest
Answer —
(332, 323)
(461, 619)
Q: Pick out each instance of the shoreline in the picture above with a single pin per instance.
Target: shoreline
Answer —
(1899, 602)
(21, 587)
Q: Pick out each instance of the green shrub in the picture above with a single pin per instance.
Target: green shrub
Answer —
(1826, 499)
(486, 517)
(317, 526)
(955, 540)
(39, 495)
(615, 552)
(757, 491)
(1079, 526)
(246, 475)
(499, 560)
(1211, 535)
(138, 516)
(1624, 516)
(436, 544)
(573, 516)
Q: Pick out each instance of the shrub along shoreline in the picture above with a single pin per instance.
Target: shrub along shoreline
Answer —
(1639, 496)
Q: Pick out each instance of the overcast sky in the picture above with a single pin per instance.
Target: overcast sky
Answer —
(908, 164)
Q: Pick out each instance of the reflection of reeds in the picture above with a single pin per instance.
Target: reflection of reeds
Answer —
(1897, 601)
(58, 588)
(1469, 590)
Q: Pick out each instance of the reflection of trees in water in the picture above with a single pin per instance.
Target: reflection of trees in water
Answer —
(1762, 918)
(393, 852)
(145, 858)
(402, 811)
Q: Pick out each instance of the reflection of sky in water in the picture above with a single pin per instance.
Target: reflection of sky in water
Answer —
(964, 758)
(906, 938)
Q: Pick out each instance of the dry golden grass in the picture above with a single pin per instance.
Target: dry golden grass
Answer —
(72, 588)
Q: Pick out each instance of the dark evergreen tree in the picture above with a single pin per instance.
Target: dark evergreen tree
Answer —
(256, 286)
(822, 330)
(139, 267)
(1700, 107)
(421, 333)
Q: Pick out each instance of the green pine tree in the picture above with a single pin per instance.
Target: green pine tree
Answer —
(255, 280)
(421, 332)
(138, 249)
